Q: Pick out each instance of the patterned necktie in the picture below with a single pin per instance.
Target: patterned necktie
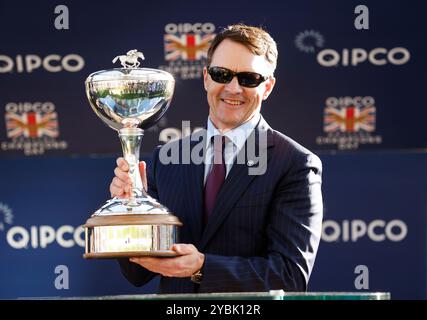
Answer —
(216, 177)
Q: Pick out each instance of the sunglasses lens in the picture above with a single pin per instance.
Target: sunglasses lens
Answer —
(246, 79)
(220, 75)
(250, 79)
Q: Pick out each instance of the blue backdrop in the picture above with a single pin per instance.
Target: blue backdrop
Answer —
(355, 97)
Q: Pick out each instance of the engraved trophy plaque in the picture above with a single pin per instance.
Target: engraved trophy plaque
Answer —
(129, 100)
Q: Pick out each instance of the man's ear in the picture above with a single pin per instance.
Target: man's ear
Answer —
(205, 78)
(269, 85)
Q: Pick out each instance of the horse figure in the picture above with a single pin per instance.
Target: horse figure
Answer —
(130, 60)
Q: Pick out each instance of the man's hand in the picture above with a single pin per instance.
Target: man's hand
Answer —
(121, 185)
(189, 261)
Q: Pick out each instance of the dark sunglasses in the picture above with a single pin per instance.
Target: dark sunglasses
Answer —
(245, 79)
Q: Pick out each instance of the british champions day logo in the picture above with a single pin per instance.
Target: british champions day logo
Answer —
(349, 122)
(186, 46)
(32, 127)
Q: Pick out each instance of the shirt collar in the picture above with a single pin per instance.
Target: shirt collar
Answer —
(238, 135)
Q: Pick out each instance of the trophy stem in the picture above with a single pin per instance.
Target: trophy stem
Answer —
(130, 138)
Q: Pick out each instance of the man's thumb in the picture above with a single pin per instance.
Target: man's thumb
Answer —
(181, 248)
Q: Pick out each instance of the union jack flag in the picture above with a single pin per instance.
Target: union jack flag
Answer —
(349, 119)
(187, 46)
(32, 124)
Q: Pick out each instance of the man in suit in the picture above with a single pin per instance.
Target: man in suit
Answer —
(243, 230)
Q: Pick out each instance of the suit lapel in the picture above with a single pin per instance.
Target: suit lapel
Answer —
(235, 184)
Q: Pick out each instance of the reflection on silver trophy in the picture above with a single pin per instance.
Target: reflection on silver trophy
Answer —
(129, 100)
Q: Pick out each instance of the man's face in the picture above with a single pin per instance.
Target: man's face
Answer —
(229, 103)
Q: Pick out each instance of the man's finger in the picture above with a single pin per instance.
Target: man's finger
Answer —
(119, 189)
(122, 175)
(122, 164)
(182, 248)
(146, 260)
(119, 183)
(115, 191)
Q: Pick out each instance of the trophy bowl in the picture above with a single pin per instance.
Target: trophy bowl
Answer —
(129, 100)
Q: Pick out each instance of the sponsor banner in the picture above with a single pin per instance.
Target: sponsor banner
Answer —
(42, 211)
(367, 222)
(335, 67)
(315, 62)
(374, 226)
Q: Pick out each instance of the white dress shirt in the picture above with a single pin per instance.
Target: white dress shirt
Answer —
(235, 141)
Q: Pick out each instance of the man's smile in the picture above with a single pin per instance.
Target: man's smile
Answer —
(232, 102)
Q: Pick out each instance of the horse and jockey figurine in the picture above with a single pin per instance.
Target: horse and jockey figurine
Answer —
(130, 60)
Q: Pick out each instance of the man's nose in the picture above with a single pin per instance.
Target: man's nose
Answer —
(233, 86)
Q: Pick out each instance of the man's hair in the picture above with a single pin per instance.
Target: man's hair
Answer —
(257, 40)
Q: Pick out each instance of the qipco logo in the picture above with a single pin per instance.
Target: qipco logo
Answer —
(65, 236)
(354, 230)
(22, 107)
(31, 62)
(196, 28)
(353, 57)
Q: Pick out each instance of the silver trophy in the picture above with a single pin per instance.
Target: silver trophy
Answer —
(129, 100)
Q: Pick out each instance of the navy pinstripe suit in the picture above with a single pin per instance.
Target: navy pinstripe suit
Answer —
(264, 231)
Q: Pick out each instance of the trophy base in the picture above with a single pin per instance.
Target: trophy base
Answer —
(117, 231)
(130, 254)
